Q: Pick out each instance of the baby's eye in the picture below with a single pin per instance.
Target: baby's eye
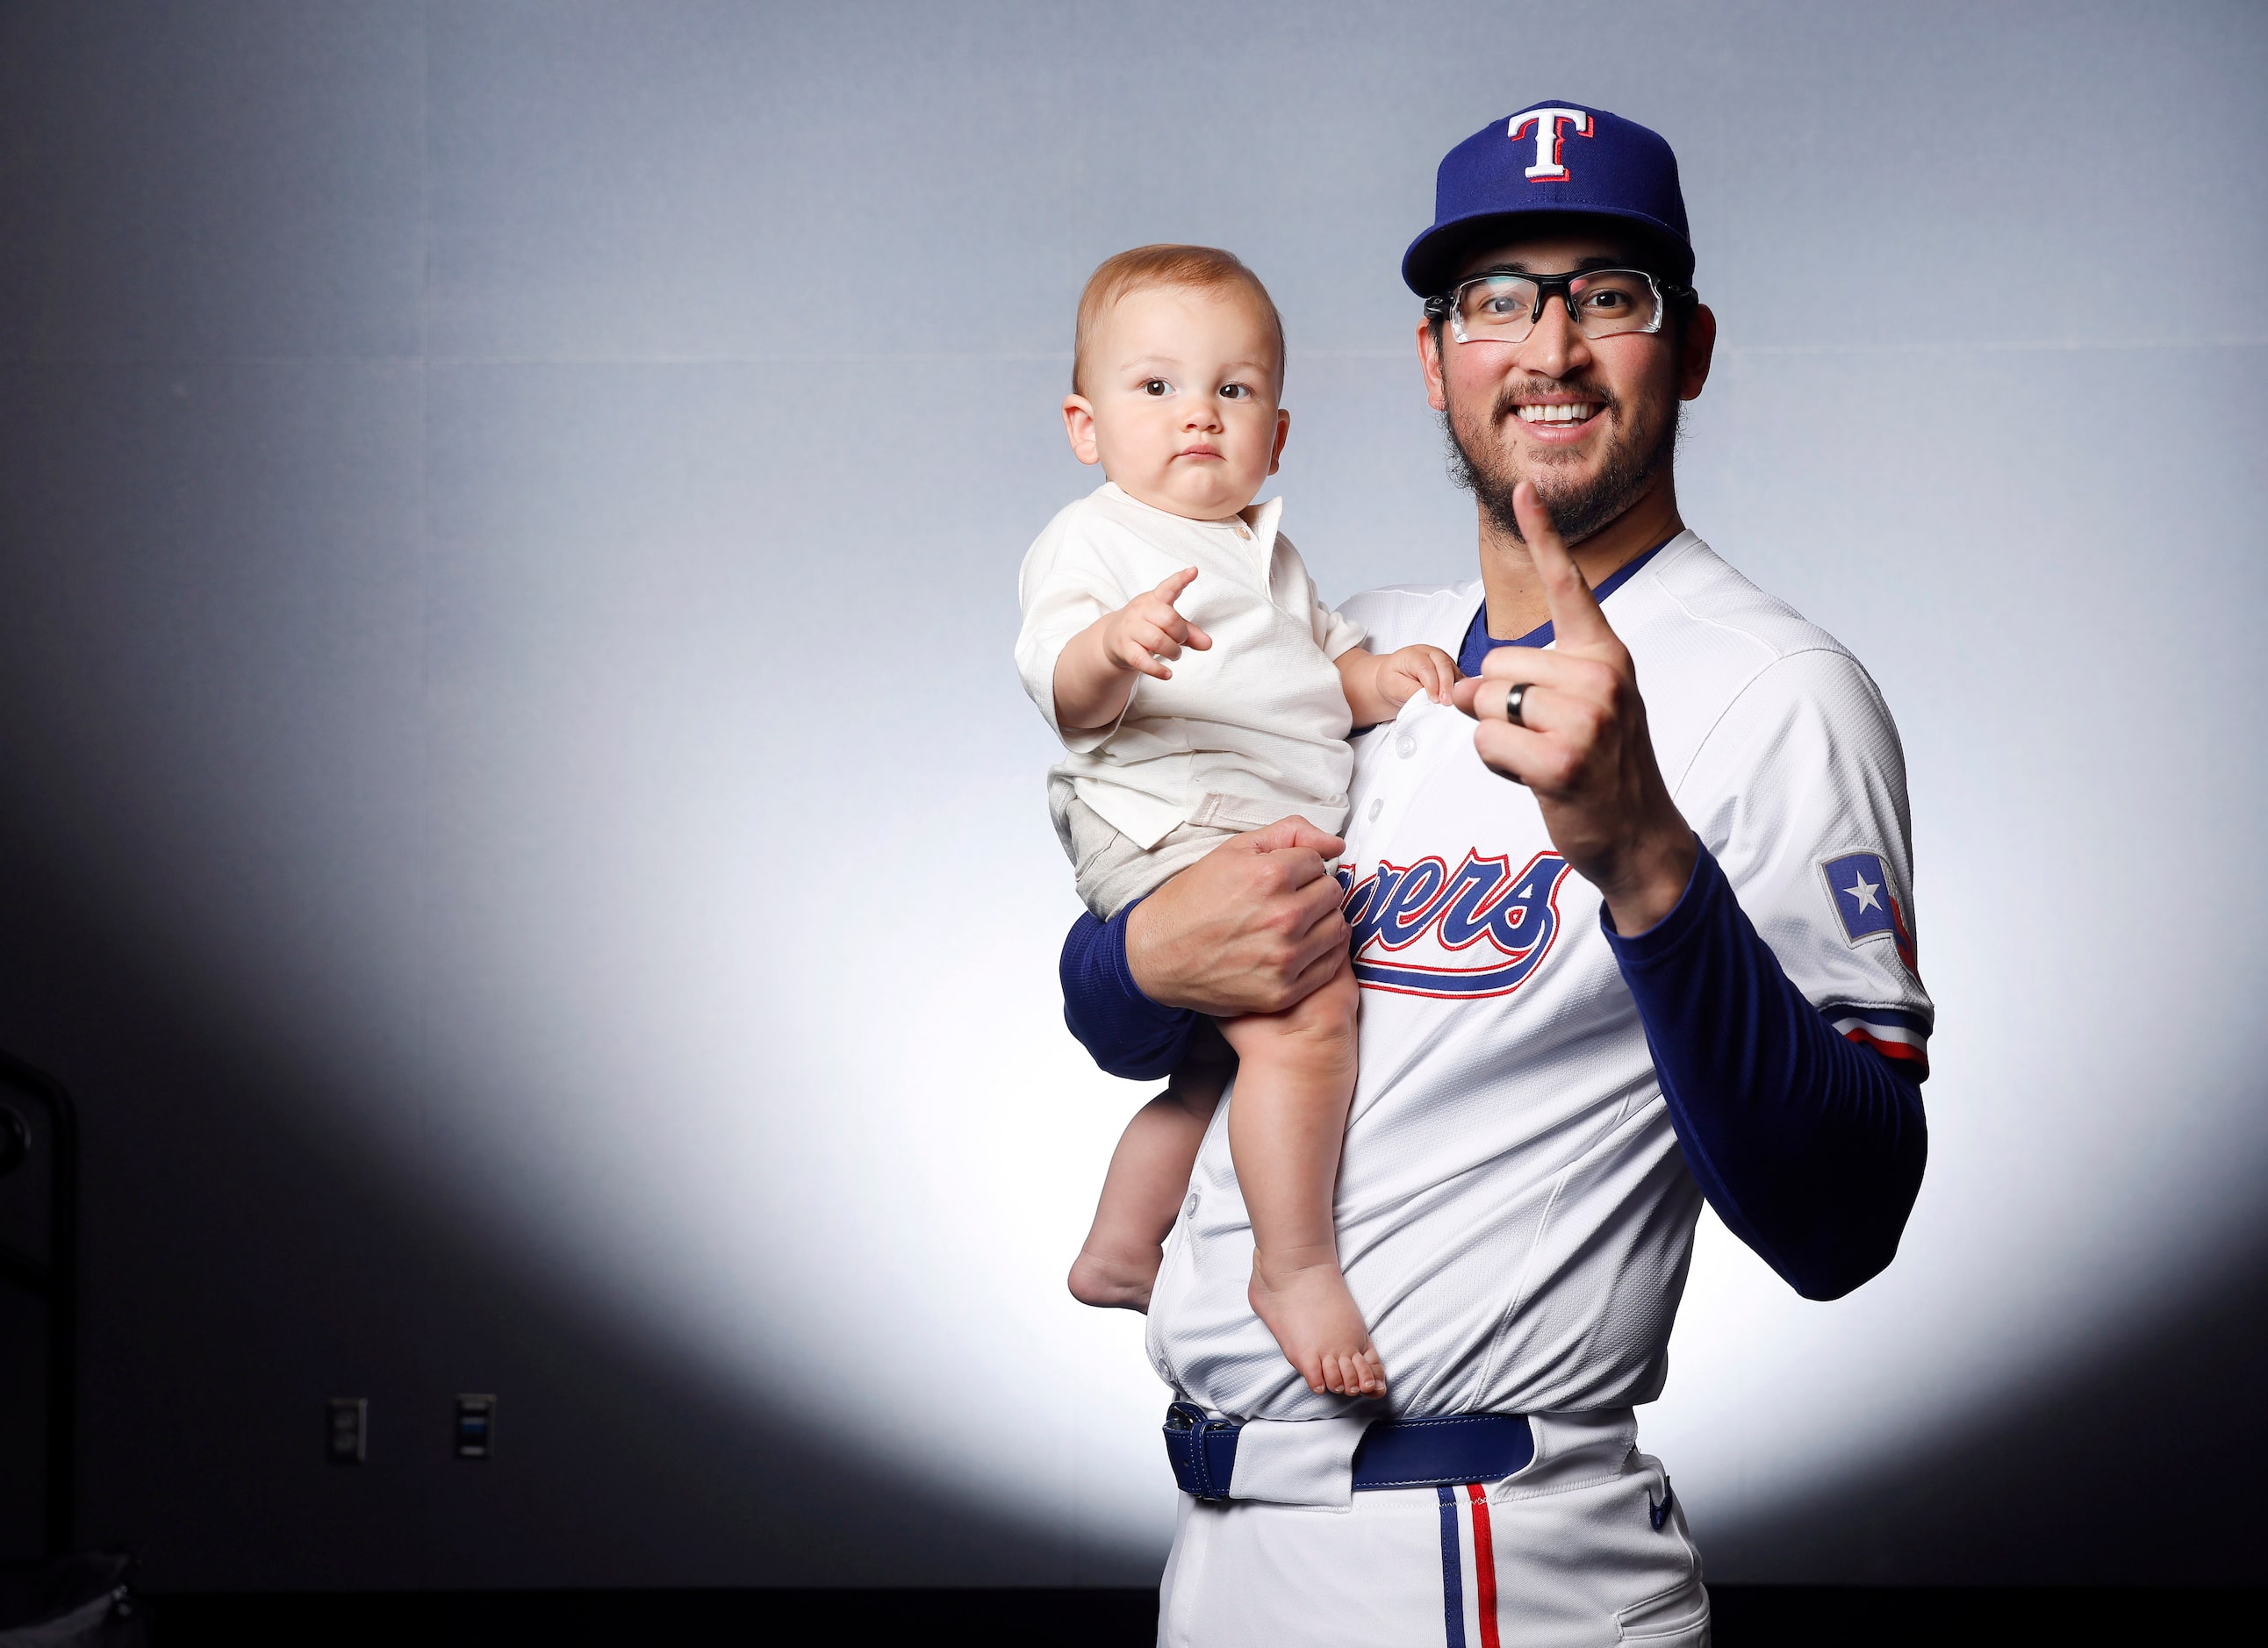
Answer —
(1235, 391)
(1156, 386)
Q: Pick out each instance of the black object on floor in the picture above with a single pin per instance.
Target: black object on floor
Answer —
(1747, 1616)
(53, 1276)
(81, 1601)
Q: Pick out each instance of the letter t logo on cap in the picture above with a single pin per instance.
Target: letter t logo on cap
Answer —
(1549, 134)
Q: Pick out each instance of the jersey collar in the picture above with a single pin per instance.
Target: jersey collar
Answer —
(1478, 643)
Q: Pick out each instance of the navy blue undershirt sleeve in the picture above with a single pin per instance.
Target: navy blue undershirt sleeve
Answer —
(1122, 1030)
(1809, 1146)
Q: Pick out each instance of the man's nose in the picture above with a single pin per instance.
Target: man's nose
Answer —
(1556, 347)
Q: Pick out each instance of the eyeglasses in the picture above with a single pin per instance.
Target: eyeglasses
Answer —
(1504, 308)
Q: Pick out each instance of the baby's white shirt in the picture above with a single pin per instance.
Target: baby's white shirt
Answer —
(1246, 732)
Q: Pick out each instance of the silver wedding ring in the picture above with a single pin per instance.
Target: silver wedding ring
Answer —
(1517, 691)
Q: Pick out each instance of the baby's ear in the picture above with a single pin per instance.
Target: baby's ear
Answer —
(1078, 427)
(1283, 429)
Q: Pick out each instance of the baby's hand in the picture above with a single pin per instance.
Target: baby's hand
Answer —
(1147, 627)
(1426, 669)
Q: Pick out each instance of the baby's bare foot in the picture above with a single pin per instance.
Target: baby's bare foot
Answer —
(1112, 1280)
(1315, 1319)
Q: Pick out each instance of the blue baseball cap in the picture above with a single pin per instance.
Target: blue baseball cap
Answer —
(1553, 157)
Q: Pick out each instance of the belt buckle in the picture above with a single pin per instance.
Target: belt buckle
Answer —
(1186, 1429)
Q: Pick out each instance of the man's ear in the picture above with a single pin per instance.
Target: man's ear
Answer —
(1429, 362)
(1700, 347)
(1079, 425)
(1283, 429)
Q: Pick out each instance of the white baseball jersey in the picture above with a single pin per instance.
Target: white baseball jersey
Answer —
(1513, 1216)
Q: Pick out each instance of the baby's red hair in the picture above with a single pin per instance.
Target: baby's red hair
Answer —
(1204, 268)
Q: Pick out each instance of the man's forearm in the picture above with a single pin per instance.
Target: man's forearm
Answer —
(1652, 878)
(1809, 1146)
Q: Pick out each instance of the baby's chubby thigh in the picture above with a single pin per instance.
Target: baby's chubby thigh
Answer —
(1312, 1040)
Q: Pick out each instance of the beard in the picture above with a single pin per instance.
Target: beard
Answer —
(1578, 508)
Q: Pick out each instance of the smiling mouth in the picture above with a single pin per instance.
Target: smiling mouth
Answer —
(1570, 412)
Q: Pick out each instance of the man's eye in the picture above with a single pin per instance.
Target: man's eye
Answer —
(1235, 391)
(1156, 386)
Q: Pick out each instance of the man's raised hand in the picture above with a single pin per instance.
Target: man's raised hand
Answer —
(1582, 744)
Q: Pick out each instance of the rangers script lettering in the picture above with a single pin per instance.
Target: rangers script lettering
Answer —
(1418, 929)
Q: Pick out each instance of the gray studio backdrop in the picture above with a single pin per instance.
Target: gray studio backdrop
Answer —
(517, 823)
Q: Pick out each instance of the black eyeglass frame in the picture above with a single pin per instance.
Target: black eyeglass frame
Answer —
(1449, 306)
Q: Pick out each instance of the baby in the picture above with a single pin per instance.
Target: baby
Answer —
(1175, 643)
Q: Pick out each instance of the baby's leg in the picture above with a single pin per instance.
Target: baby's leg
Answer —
(1149, 1174)
(1285, 1125)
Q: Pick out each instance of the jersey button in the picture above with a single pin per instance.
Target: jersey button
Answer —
(1377, 807)
(1405, 746)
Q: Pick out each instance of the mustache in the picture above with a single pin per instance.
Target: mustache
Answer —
(1508, 398)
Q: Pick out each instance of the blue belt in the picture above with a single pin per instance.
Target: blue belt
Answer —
(1393, 1452)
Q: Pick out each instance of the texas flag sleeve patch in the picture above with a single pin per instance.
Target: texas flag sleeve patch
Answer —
(1866, 902)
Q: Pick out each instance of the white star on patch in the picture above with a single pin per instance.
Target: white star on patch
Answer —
(1864, 891)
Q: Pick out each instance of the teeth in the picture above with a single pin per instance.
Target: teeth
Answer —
(1574, 413)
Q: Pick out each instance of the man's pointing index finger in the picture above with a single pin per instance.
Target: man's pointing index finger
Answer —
(1576, 619)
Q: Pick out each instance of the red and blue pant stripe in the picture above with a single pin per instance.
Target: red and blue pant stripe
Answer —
(1475, 1504)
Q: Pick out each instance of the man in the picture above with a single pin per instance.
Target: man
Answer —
(1672, 956)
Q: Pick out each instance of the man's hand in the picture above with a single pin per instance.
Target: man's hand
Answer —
(1251, 927)
(1582, 744)
(1094, 672)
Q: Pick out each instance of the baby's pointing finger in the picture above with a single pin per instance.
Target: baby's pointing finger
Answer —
(1170, 591)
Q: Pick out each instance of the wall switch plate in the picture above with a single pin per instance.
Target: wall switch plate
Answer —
(476, 1431)
(347, 1438)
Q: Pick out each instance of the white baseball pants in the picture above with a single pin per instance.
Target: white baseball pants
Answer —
(1584, 1547)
